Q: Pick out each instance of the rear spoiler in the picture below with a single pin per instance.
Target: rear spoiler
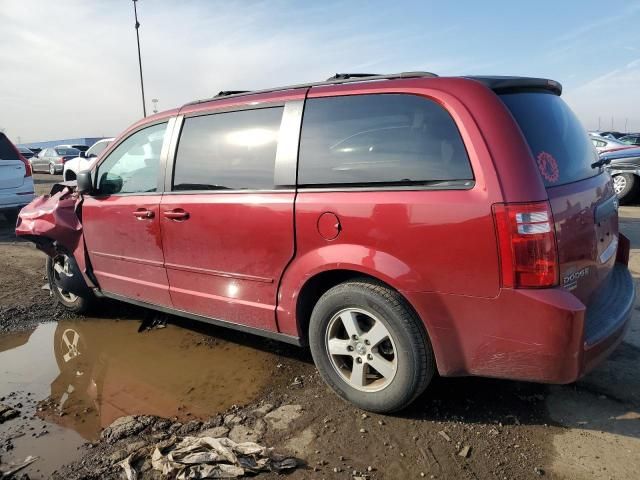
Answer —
(518, 84)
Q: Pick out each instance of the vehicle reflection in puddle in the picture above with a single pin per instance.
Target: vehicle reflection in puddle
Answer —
(78, 376)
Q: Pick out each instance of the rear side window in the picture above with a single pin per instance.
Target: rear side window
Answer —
(558, 141)
(7, 152)
(379, 139)
(228, 151)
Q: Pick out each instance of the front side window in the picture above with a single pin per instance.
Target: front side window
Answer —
(228, 151)
(133, 166)
(379, 139)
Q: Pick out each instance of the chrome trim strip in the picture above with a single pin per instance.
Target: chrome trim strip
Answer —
(153, 263)
(288, 144)
(218, 273)
(609, 251)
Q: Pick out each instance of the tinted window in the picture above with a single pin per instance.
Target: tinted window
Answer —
(379, 139)
(235, 150)
(559, 143)
(67, 151)
(133, 166)
(7, 152)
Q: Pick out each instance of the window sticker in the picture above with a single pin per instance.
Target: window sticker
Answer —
(548, 167)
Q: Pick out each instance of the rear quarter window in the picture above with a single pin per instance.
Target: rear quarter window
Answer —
(559, 143)
(379, 139)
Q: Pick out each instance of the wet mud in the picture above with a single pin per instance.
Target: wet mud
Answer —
(71, 379)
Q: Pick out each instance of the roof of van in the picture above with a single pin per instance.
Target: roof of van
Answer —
(498, 83)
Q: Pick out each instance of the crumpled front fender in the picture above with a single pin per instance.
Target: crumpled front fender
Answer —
(52, 222)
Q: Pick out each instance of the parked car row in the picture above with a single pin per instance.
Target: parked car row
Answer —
(16, 181)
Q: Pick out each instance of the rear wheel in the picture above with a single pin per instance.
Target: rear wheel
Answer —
(56, 267)
(370, 347)
(626, 186)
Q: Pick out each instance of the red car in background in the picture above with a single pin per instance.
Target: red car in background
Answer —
(399, 225)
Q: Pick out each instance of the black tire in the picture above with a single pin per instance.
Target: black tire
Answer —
(630, 187)
(11, 216)
(73, 303)
(412, 348)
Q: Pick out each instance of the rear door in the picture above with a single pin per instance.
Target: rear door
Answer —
(12, 168)
(121, 220)
(227, 212)
(582, 199)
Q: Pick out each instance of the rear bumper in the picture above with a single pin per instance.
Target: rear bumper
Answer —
(544, 335)
(608, 317)
(14, 201)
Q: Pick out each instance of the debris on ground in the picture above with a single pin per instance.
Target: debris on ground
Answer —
(7, 413)
(444, 435)
(13, 469)
(153, 321)
(280, 418)
(465, 451)
(208, 457)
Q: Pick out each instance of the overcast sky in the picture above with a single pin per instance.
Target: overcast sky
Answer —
(68, 68)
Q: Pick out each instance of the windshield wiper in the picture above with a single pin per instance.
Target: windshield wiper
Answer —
(601, 163)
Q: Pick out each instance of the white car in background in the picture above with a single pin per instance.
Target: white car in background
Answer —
(606, 144)
(72, 167)
(16, 181)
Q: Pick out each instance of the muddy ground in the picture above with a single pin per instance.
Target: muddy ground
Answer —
(70, 378)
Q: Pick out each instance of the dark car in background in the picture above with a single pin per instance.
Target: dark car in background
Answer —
(26, 152)
(611, 134)
(52, 159)
(632, 139)
(624, 167)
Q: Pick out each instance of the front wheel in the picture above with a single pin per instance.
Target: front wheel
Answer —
(370, 347)
(56, 267)
(626, 186)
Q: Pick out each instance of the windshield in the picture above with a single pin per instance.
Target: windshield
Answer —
(558, 141)
(67, 151)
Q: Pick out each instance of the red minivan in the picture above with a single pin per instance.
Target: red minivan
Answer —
(398, 225)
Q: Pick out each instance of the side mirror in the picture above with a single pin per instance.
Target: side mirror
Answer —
(84, 182)
(82, 154)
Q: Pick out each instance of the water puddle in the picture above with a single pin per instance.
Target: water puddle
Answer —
(74, 377)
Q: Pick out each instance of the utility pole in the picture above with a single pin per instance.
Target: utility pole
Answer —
(626, 122)
(135, 13)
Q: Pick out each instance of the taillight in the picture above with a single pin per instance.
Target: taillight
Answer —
(527, 244)
(27, 166)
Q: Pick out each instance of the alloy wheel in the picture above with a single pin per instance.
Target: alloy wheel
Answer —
(619, 184)
(361, 349)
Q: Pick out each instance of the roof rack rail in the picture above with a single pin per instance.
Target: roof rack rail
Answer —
(343, 78)
(226, 93)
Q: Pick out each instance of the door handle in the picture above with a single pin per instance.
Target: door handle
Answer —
(176, 214)
(143, 213)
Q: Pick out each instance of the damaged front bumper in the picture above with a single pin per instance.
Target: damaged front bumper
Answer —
(52, 223)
